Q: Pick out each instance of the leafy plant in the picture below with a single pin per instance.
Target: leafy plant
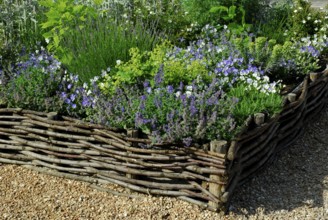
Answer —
(305, 20)
(229, 15)
(61, 17)
(144, 66)
(34, 84)
(274, 25)
(251, 101)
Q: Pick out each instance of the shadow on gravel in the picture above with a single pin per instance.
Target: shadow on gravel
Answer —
(297, 178)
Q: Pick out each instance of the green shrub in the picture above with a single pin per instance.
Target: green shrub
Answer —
(61, 17)
(251, 101)
(145, 65)
(34, 84)
(305, 20)
(275, 22)
(102, 41)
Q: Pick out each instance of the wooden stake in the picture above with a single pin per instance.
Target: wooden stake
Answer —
(218, 146)
(132, 134)
(259, 118)
(291, 97)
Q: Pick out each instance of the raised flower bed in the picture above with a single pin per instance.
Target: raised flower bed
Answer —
(192, 108)
(204, 175)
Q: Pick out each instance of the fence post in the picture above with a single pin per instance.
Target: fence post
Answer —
(218, 146)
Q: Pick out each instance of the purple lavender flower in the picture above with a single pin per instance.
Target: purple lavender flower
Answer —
(159, 76)
(170, 89)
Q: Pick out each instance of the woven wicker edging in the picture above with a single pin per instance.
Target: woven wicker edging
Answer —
(206, 176)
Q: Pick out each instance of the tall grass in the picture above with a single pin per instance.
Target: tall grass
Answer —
(98, 44)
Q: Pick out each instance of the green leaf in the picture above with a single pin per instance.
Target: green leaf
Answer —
(56, 40)
(48, 24)
(61, 6)
(47, 35)
(217, 9)
(232, 12)
(98, 2)
(46, 3)
(77, 9)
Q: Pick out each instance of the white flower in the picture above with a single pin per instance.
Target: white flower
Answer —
(255, 84)
(118, 62)
(225, 26)
(103, 73)
(188, 93)
(266, 79)
(295, 11)
(304, 21)
(178, 93)
(47, 40)
(309, 18)
(249, 80)
(189, 88)
(316, 21)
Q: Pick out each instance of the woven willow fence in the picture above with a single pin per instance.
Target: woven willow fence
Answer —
(204, 175)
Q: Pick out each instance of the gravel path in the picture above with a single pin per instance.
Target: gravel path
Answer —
(295, 186)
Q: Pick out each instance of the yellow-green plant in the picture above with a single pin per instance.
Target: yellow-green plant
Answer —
(145, 65)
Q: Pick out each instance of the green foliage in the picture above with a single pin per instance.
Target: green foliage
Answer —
(275, 22)
(198, 12)
(304, 20)
(230, 15)
(251, 101)
(144, 66)
(19, 22)
(259, 49)
(61, 17)
(32, 89)
(19, 30)
(168, 14)
(102, 41)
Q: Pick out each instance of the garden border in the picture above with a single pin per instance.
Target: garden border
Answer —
(204, 175)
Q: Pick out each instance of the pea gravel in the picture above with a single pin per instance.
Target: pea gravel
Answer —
(295, 186)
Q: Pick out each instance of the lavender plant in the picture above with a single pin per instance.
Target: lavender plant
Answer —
(103, 41)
